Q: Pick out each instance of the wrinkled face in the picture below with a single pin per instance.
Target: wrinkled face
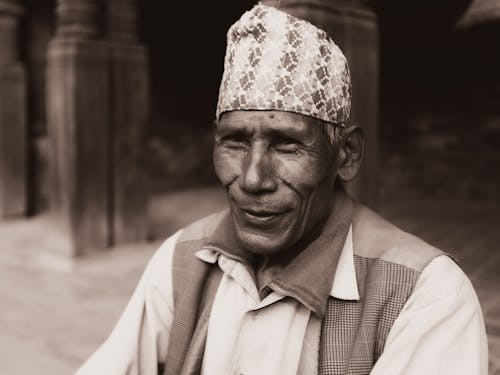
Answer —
(279, 171)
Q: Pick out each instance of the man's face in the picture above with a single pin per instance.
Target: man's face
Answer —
(279, 171)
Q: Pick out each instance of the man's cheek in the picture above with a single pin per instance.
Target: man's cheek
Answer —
(300, 176)
(227, 166)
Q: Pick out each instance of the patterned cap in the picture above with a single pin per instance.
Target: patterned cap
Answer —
(275, 61)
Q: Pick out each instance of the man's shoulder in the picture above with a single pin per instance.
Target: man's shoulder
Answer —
(203, 228)
(198, 235)
(189, 239)
(376, 238)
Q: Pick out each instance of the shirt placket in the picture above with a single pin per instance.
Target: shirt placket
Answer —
(240, 274)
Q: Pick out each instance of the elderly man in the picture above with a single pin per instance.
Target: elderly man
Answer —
(295, 278)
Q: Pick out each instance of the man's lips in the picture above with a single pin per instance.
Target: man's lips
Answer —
(260, 213)
(259, 216)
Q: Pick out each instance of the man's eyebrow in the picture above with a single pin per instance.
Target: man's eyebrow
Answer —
(232, 131)
(288, 134)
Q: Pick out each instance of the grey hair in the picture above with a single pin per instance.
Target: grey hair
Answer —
(333, 132)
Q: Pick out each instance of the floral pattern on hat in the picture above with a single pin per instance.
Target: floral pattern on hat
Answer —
(275, 61)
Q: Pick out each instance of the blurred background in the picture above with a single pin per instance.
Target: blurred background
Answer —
(106, 124)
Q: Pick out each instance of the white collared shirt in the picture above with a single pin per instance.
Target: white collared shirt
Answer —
(243, 328)
(440, 329)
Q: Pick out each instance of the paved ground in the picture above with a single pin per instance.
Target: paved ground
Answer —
(55, 311)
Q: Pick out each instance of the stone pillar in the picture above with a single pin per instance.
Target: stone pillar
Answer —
(352, 24)
(129, 114)
(13, 133)
(77, 119)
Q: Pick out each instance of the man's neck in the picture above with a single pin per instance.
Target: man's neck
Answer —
(267, 267)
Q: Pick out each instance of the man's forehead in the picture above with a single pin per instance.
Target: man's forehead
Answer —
(267, 122)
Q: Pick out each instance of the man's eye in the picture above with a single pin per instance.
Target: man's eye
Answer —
(234, 142)
(287, 146)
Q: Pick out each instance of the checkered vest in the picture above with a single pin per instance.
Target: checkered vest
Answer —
(387, 261)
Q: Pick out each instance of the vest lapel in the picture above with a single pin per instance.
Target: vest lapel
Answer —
(195, 284)
(194, 356)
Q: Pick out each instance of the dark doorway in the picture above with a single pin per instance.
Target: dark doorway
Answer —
(186, 44)
(440, 89)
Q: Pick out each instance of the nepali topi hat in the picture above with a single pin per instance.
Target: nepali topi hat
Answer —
(275, 61)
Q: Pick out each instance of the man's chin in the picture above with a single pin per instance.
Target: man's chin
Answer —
(260, 243)
(263, 234)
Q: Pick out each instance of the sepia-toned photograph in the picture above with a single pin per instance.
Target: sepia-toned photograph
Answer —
(272, 187)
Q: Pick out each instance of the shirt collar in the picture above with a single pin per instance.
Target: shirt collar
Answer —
(345, 285)
(309, 277)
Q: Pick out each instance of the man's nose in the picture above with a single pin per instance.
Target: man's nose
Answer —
(257, 173)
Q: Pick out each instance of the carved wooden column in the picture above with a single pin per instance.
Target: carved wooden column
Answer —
(129, 71)
(13, 134)
(78, 118)
(352, 24)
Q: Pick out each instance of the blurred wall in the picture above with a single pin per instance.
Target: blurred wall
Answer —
(440, 104)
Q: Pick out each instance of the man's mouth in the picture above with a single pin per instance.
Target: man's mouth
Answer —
(260, 217)
(260, 213)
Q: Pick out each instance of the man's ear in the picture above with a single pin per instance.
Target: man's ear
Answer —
(350, 153)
